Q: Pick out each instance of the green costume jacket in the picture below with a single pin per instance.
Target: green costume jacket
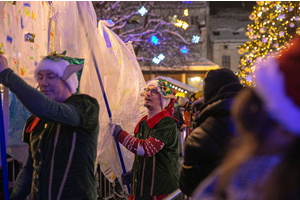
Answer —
(62, 144)
(158, 174)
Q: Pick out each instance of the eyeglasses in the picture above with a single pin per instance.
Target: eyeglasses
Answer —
(152, 91)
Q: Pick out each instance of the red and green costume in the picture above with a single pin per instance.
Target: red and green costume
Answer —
(155, 168)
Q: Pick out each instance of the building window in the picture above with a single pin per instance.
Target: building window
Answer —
(225, 46)
(216, 33)
(226, 61)
(194, 20)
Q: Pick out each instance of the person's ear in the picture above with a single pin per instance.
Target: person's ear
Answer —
(70, 70)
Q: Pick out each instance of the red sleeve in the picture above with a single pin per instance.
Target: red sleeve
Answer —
(145, 148)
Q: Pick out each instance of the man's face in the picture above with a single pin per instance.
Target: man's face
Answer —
(53, 86)
(152, 98)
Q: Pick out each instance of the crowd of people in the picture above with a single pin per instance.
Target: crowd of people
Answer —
(243, 142)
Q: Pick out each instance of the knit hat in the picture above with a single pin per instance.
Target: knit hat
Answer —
(278, 84)
(165, 91)
(215, 80)
(182, 101)
(65, 67)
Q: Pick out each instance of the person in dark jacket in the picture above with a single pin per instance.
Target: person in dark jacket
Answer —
(62, 131)
(206, 145)
(180, 125)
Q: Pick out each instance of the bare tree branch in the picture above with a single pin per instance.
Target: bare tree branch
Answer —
(131, 26)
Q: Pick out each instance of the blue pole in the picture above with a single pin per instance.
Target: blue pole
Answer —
(109, 115)
(104, 94)
(3, 154)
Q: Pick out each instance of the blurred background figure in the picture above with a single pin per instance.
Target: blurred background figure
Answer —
(186, 107)
(196, 105)
(184, 104)
(206, 146)
(265, 164)
(180, 125)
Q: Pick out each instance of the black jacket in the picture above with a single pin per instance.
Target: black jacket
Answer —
(207, 144)
(178, 115)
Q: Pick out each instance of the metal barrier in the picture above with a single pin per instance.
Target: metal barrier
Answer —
(105, 189)
(177, 195)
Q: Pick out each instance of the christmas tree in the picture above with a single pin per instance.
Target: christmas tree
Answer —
(274, 24)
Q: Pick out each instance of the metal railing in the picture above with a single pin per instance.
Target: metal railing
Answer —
(177, 195)
(105, 189)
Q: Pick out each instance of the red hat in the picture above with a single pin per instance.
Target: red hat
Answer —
(289, 65)
(278, 84)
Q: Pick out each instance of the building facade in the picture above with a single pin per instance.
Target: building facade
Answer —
(226, 33)
(193, 70)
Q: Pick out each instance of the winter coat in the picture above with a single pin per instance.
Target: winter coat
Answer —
(206, 146)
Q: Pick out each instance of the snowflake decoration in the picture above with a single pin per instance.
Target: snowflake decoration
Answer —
(195, 39)
(184, 49)
(142, 11)
(161, 56)
(156, 60)
(154, 39)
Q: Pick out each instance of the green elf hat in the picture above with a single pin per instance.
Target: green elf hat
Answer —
(165, 90)
(64, 66)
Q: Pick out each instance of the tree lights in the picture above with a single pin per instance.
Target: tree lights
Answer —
(195, 39)
(184, 49)
(154, 40)
(274, 24)
(142, 11)
(159, 58)
(186, 12)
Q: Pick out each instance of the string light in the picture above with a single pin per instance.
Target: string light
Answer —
(161, 56)
(158, 59)
(186, 12)
(185, 25)
(181, 24)
(142, 11)
(195, 39)
(274, 23)
(154, 40)
(184, 49)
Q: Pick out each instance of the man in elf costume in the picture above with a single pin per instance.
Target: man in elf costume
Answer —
(61, 133)
(154, 174)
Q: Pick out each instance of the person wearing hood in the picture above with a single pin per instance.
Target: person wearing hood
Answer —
(264, 163)
(207, 144)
